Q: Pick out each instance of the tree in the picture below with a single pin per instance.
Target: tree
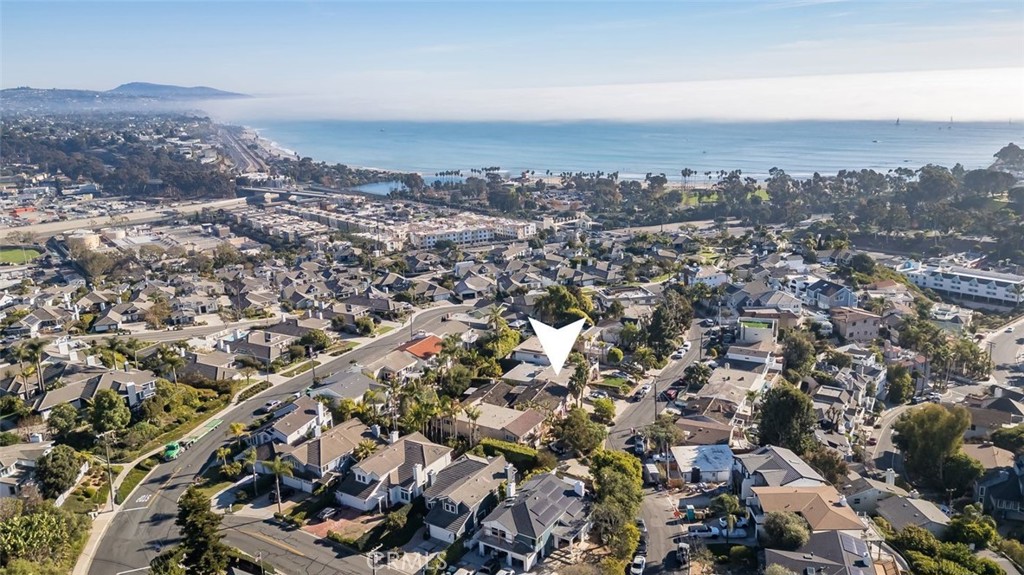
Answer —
(697, 376)
(785, 530)
(63, 419)
(828, 463)
(108, 412)
(776, 569)
(316, 338)
(580, 433)
(623, 542)
(901, 385)
(364, 449)
(726, 504)
(671, 318)
(278, 467)
(222, 454)
(1010, 438)
(631, 336)
(170, 361)
(787, 419)
(365, 325)
(158, 313)
(973, 527)
(57, 470)
(579, 379)
(168, 562)
(798, 352)
(238, 430)
(928, 435)
(562, 305)
(614, 356)
(396, 520)
(959, 472)
(604, 410)
(203, 553)
(618, 493)
(664, 433)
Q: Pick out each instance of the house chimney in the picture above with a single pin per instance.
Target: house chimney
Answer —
(417, 475)
(267, 336)
(579, 488)
(393, 436)
(890, 477)
(510, 480)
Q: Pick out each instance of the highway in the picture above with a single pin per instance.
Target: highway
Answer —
(146, 520)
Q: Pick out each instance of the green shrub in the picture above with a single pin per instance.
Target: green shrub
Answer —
(740, 555)
(89, 492)
(521, 456)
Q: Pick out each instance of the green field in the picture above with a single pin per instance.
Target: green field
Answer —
(17, 255)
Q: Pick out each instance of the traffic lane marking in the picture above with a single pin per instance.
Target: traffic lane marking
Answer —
(133, 570)
(274, 542)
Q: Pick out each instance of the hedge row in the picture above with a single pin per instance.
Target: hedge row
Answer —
(521, 456)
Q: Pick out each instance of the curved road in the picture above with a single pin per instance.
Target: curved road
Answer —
(145, 522)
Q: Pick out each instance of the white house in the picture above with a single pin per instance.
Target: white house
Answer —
(704, 463)
(531, 351)
(394, 475)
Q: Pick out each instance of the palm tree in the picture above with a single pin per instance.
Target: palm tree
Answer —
(278, 467)
(222, 454)
(365, 449)
(32, 351)
(171, 361)
(238, 430)
(473, 413)
(250, 460)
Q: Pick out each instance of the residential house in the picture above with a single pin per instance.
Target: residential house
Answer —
(772, 466)
(394, 475)
(828, 295)
(855, 324)
(826, 553)
(17, 466)
(116, 316)
(473, 287)
(531, 351)
(327, 453)
(303, 418)
(902, 512)
(395, 365)
(133, 386)
(710, 276)
(821, 506)
(703, 463)
(502, 423)
(462, 494)
(990, 456)
(701, 430)
(264, 346)
(548, 513)
(1001, 491)
(728, 396)
(214, 366)
(351, 383)
(864, 493)
(41, 320)
(951, 318)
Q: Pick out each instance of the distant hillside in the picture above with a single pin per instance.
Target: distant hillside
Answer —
(135, 96)
(147, 90)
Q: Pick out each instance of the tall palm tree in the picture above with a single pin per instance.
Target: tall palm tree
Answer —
(278, 467)
(238, 430)
(171, 361)
(222, 454)
(250, 460)
(473, 413)
(32, 351)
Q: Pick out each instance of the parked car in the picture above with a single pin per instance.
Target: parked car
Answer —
(645, 388)
(669, 394)
(703, 531)
(873, 441)
(686, 346)
(642, 526)
(598, 394)
(708, 322)
(641, 546)
(678, 354)
(269, 406)
(1009, 329)
(506, 572)
(326, 513)
(740, 522)
(637, 567)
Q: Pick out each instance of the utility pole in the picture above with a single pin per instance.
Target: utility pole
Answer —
(110, 475)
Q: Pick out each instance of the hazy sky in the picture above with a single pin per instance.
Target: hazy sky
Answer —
(539, 60)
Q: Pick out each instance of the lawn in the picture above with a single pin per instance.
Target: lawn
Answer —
(134, 477)
(306, 366)
(383, 329)
(341, 348)
(18, 255)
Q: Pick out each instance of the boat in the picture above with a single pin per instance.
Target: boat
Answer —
(897, 121)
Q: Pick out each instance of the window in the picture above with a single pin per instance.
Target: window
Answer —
(450, 507)
(361, 478)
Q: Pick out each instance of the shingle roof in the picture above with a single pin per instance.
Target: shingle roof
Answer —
(779, 466)
(819, 505)
(541, 502)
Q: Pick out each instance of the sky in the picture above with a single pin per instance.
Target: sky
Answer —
(534, 60)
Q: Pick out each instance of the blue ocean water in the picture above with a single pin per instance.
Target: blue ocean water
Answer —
(633, 149)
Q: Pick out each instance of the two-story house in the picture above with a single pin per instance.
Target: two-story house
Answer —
(547, 514)
(394, 475)
(462, 494)
(304, 418)
(772, 466)
(827, 295)
(328, 453)
(134, 386)
(855, 324)
(17, 465)
(524, 426)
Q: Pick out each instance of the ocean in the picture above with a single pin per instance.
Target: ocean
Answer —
(801, 148)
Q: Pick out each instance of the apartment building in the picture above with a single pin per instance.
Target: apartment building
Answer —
(995, 287)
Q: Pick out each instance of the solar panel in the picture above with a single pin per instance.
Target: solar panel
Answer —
(854, 546)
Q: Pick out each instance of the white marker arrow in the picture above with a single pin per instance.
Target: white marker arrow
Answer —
(557, 343)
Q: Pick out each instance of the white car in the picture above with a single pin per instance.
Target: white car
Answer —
(645, 388)
(671, 410)
(505, 572)
(598, 394)
(678, 354)
(686, 346)
(740, 522)
(1009, 329)
(637, 566)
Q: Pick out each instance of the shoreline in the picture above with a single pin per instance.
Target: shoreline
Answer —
(805, 168)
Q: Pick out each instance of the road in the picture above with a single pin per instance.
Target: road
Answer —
(884, 453)
(642, 413)
(663, 531)
(1008, 354)
(146, 216)
(242, 157)
(146, 521)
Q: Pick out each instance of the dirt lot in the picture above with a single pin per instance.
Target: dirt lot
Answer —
(349, 522)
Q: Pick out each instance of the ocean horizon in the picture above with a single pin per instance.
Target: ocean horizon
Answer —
(633, 149)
